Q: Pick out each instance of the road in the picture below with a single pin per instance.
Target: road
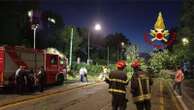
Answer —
(93, 96)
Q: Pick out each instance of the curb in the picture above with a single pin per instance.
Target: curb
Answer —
(178, 98)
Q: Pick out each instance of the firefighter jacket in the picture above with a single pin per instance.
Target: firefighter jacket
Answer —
(141, 86)
(117, 81)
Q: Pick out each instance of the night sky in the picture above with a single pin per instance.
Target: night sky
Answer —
(131, 17)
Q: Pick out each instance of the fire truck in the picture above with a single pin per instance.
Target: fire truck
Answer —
(11, 57)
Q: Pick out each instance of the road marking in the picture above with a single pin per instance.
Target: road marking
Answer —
(161, 96)
(39, 97)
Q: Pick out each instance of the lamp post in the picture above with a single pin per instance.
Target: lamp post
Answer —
(35, 27)
(97, 27)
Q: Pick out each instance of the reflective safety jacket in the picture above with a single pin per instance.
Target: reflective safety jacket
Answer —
(141, 86)
(117, 81)
(179, 76)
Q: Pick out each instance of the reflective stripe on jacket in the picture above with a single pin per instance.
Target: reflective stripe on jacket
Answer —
(117, 81)
(141, 87)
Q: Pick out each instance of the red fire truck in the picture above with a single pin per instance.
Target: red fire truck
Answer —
(12, 57)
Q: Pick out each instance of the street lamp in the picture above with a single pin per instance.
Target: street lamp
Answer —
(122, 49)
(30, 14)
(122, 44)
(34, 26)
(185, 41)
(97, 27)
(51, 20)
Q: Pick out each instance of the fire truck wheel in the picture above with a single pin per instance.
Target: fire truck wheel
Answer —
(60, 79)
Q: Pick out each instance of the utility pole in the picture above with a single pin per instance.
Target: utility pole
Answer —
(108, 59)
(88, 60)
(71, 46)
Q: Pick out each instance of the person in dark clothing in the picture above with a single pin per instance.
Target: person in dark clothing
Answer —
(118, 81)
(20, 80)
(30, 80)
(141, 87)
(41, 79)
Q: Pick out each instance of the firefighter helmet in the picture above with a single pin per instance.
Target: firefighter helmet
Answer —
(136, 64)
(121, 64)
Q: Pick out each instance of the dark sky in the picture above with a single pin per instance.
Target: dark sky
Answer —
(131, 17)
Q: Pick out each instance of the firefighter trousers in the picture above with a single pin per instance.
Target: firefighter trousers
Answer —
(119, 102)
(143, 105)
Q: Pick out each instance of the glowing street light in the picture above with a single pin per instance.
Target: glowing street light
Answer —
(30, 13)
(185, 41)
(97, 27)
(122, 44)
(52, 20)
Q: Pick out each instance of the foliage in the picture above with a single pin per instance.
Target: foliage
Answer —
(185, 30)
(159, 60)
(165, 74)
(93, 70)
(132, 53)
(66, 36)
(113, 41)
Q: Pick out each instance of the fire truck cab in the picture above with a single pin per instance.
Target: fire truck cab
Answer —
(11, 57)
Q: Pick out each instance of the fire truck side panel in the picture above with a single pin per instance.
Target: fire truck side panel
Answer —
(51, 67)
(14, 58)
(31, 61)
(10, 68)
(1, 66)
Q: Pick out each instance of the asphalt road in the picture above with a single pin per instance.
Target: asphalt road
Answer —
(90, 97)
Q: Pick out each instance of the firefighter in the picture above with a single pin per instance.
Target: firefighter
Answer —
(30, 80)
(141, 87)
(41, 79)
(118, 81)
(20, 80)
